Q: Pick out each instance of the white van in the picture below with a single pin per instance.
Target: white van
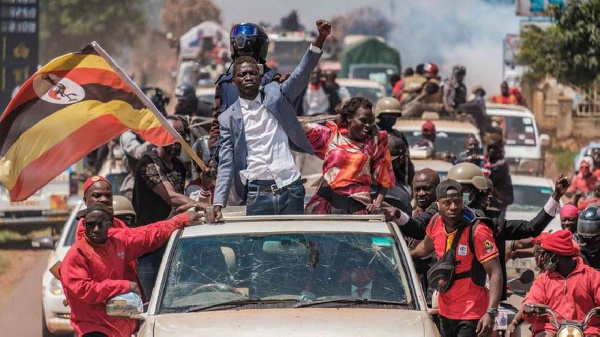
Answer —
(523, 145)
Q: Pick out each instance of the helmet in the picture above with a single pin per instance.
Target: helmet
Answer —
(459, 69)
(185, 92)
(588, 224)
(468, 174)
(431, 69)
(388, 105)
(249, 37)
(122, 205)
(123, 210)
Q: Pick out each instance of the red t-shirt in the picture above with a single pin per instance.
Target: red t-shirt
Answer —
(464, 300)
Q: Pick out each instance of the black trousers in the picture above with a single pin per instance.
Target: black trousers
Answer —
(457, 328)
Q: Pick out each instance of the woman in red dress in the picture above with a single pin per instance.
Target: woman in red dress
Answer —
(356, 156)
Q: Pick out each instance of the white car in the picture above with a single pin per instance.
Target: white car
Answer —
(308, 275)
(55, 315)
(531, 194)
(523, 145)
(371, 90)
(451, 134)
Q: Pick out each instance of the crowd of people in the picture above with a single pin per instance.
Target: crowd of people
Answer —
(459, 237)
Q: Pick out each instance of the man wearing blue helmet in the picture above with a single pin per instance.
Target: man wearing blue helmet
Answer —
(246, 39)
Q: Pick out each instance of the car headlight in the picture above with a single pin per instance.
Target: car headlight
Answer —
(55, 287)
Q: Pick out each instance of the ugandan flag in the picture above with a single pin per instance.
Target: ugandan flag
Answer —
(71, 106)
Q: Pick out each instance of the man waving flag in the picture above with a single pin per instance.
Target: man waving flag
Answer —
(71, 106)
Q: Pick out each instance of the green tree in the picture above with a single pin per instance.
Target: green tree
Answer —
(69, 25)
(178, 16)
(568, 50)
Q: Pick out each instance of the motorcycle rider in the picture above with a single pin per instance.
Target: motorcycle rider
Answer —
(588, 236)
(567, 286)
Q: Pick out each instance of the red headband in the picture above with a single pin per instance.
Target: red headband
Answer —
(93, 179)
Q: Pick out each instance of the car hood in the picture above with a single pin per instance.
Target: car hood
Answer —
(295, 322)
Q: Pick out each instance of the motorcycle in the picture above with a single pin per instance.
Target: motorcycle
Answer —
(566, 327)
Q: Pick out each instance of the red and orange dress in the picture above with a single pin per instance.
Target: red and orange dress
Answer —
(349, 167)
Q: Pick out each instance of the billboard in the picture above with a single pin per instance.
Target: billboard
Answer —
(537, 7)
(512, 45)
(19, 32)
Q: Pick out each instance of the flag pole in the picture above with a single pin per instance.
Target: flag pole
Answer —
(138, 92)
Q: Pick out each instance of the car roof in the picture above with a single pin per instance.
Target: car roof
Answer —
(531, 180)
(438, 165)
(358, 82)
(507, 110)
(444, 125)
(241, 225)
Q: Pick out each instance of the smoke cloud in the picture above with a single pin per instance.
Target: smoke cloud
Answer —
(469, 32)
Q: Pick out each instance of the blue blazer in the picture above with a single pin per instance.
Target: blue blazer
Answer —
(277, 98)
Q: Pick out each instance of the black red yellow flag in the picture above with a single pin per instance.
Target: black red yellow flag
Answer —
(69, 107)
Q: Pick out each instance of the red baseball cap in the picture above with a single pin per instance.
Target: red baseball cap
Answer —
(92, 180)
(428, 127)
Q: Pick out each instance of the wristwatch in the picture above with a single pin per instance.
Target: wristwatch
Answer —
(493, 312)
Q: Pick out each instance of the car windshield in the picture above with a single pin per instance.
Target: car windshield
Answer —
(285, 270)
(380, 74)
(70, 238)
(529, 198)
(373, 94)
(451, 142)
(518, 131)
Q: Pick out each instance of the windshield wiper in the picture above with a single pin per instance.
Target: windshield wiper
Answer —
(238, 303)
(349, 301)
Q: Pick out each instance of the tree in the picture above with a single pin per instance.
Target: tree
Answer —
(570, 49)
(178, 16)
(69, 25)
(366, 20)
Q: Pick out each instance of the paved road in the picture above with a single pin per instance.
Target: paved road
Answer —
(21, 309)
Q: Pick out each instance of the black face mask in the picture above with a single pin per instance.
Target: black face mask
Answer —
(173, 150)
(387, 122)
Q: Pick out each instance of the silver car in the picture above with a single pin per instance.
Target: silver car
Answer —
(286, 276)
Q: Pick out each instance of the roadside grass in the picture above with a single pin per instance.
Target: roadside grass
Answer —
(4, 263)
(7, 236)
(564, 158)
(13, 239)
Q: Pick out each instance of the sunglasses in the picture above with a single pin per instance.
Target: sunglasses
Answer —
(99, 224)
(247, 30)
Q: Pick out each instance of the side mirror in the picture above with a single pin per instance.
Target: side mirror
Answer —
(128, 305)
(544, 140)
(42, 242)
(527, 276)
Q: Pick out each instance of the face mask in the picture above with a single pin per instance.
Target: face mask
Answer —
(466, 198)
(174, 151)
(550, 263)
(386, 123)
